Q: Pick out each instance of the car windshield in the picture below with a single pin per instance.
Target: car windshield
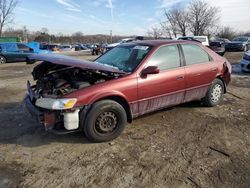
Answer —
(125, 58)
(242, 39)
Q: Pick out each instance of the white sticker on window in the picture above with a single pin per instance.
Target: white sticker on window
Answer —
(140, 47)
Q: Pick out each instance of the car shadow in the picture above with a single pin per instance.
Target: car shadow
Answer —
(17, 127)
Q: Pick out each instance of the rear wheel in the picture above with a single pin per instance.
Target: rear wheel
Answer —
(214, 94)
(105, 121)
(2, 60)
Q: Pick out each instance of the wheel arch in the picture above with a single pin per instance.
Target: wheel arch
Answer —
(4, 57)
(220, 77)
(122, 101)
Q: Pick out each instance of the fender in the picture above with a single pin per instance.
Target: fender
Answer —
(99, 96)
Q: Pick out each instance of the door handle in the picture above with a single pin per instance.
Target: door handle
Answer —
(214, 69)
(179, 77)
(198, 74)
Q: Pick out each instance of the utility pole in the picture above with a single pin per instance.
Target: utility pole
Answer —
(111, 37)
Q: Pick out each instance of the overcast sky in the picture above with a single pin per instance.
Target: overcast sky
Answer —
(124, 17)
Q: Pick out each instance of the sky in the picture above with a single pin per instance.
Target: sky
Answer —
(123, 17)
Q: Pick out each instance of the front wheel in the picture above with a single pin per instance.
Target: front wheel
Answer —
(214, 94)
(105, 121)
(2, 60)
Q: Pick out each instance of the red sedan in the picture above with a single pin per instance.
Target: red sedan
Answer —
(133, 79)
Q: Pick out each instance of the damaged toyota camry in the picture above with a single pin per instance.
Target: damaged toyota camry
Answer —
(99, 98)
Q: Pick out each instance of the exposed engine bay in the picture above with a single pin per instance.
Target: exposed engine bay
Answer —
(58, 80)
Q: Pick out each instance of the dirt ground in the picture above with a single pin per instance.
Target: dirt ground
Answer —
(185, 146)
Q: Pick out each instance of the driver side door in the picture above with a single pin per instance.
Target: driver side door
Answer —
(167, 88)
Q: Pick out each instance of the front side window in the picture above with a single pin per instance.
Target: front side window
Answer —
(124, 57)
(194, 54)
(166, 57)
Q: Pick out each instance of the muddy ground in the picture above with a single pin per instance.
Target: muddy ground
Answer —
(185, 146)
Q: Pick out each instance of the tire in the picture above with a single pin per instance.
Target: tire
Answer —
(214, 94)
(105, 121)
(2, 60)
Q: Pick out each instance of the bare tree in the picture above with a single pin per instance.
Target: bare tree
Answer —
(177, 20)
(45, 30)
(155, 32)
(6, 13)
(166, 29)
(202, 17)
(226, 32)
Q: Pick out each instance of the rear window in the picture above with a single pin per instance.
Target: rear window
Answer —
(194, 54)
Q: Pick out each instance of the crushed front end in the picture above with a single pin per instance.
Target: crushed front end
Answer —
(57, 115)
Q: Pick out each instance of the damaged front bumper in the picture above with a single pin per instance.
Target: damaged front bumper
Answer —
(57, 121)
(35, 113)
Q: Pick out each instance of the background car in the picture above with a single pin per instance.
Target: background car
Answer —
(14, 52)
(203, 39)
(245, 62)
(238, 44)
(126, 40)
(218, 45)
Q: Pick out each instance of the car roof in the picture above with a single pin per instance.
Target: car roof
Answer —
(160, 42)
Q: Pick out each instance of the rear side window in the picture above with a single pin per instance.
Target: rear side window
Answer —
(166, 57)
(194, 54)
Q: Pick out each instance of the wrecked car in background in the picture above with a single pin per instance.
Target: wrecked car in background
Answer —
(218, 45)
(99, 98)
(245, 62)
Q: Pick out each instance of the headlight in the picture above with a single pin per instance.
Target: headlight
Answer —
(56, 104)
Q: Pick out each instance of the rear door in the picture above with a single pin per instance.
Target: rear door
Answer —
(23, 52)
(200, 71)
(166, 88)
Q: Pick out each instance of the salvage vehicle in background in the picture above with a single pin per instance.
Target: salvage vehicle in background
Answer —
(99, 98)
(238, 44)
(245, 62)
(218, 45)
(14, 52)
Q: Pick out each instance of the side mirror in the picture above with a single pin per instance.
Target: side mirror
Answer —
(150, 70)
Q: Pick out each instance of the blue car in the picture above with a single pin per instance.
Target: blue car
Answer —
(17, 52)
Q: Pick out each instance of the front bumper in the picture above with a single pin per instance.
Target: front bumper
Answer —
(35, 113)
(245, 65)
(57, 121)
(234, 48)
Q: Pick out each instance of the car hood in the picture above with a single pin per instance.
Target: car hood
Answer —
(72, 62)
(236, 42)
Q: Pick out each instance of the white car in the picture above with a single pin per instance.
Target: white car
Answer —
(203, 39)
(245, 62)
(120, 42)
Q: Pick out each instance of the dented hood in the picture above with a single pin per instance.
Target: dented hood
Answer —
(55, 59)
